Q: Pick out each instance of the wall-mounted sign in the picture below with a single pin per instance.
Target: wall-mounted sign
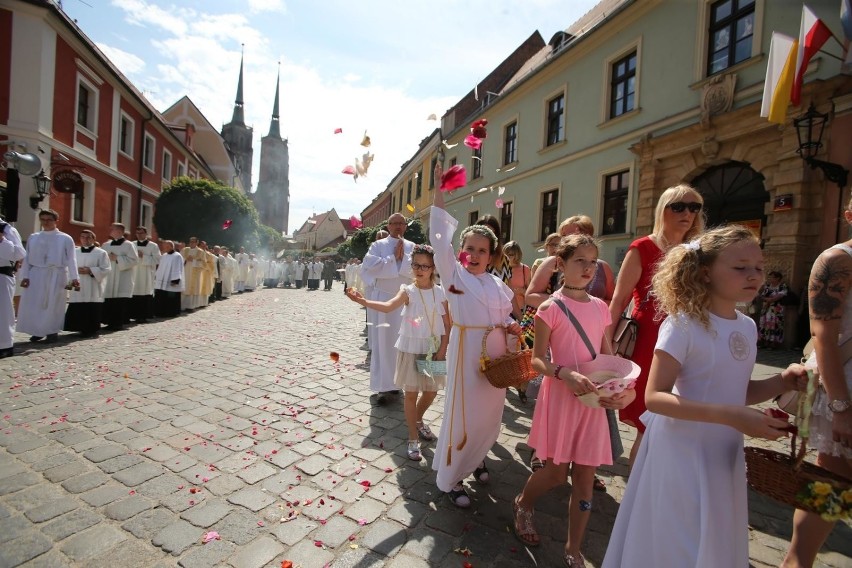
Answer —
(783, 202)
(67, 181)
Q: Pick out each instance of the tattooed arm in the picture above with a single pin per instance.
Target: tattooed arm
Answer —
(828, 288)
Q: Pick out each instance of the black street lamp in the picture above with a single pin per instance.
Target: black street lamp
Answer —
(42, 185)
(809, 129)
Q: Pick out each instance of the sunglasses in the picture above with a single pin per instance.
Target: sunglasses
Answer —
(416, 266)
(681, 206)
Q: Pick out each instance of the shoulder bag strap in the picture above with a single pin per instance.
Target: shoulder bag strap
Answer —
(577, 325)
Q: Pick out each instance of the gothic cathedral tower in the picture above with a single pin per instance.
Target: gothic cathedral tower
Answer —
(272, 198)
(238, 138)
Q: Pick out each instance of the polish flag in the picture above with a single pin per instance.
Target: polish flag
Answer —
(812, 36)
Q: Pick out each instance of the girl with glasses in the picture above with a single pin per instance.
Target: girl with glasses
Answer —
(422, 335)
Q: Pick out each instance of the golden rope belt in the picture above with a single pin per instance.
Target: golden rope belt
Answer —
(459, 373)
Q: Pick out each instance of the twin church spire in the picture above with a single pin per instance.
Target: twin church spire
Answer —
(239, 110)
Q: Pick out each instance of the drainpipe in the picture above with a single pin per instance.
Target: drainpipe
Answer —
(141, 170)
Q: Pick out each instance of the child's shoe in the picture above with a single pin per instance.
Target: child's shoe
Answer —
(414, 450)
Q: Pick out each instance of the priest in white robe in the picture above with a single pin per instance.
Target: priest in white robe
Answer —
(142, 306)
(85, 306)
(47, 269)
(11, 252)
(194, 263)
(298, 269)
(118, 292)
(388, 266)
(242, 270)
(227, 270)
(168, 282)
(251, 273)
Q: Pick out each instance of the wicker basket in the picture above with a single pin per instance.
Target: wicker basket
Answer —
(431, 368)
(513, 369)
(784, 477)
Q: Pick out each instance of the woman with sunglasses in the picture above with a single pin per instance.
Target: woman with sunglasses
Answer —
(678, 219)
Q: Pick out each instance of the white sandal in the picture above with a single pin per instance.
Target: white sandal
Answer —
(414, 450)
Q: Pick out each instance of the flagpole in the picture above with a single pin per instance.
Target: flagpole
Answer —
(831, 55)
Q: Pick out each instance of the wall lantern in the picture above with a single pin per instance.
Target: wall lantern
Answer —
(809, 129)
(42, 185)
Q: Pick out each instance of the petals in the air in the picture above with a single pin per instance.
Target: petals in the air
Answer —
(338, 131)
(348, 170)
(448, 146)
(499, 204)
(410, 207)
(472, 141)
(454, 178)
(355, 222)
(227, 224)
(366, 140)
(464, 259)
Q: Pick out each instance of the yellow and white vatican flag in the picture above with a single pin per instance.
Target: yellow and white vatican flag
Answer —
(780, 72)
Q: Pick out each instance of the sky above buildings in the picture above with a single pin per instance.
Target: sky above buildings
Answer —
(377, 65)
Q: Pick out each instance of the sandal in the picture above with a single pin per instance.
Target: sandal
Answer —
(599, 484)
(459, 497)
(481, 474)
(535, 462)
(424, 432)
(522, 395)
(414, 450)
(572, 561)
(522, 524)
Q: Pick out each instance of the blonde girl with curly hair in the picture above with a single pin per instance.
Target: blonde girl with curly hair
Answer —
(686, 502)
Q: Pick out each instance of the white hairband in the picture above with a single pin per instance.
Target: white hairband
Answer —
(692, 245)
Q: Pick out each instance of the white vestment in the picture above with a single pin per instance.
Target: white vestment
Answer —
(169, 269)
(91, 285)
(315, 271)
(388, 274)
(11, 251)
(50, 260)
(120, 281)
(473, 409)
(149, 256)
(228, 271)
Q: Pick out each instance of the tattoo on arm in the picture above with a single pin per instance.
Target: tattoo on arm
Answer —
(829, 285)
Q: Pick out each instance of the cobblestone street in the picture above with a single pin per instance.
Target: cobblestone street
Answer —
(125, 450)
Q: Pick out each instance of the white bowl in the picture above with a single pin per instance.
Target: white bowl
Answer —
(611, 374)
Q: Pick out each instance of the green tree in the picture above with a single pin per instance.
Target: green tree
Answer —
(359, 242)
(202, 208)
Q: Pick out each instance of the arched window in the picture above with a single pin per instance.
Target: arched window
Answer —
(733, 193)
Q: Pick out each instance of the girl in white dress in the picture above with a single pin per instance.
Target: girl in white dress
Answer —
(686, 501)
(473, 409)
(425, 321)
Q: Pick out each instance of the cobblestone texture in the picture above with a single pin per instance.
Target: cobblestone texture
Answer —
(234, 419)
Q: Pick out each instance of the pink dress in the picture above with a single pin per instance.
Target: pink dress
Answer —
(564, 429)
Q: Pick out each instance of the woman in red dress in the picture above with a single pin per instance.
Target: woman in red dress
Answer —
(677, 219)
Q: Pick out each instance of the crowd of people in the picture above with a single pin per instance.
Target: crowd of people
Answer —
(686, 502)
(54, 285)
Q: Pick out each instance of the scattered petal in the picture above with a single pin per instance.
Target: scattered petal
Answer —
(432, 116)
(338, 131)
(260, 523)
(464, 259)
(438, 236)
(286, 564)
(227, 224)
(211, 536)
(365, 142)
(473, 142)
(482, 189)
(410, 207)
(478, 128)
(454, 178)
(453, 290)
(501, 190)
(362, 522)
(448, 146)
(355, 222)
(335, 356)
(499, 204)
(348, 170)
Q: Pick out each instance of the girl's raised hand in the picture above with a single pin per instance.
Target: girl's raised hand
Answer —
(754, 423)
(795, 377)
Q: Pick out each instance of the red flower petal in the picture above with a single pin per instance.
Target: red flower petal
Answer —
(477, 129)
(338, 131)
(464, 259)
(355, 222)
(227, 225)
(348, 170)
(472, 141)
(335, 356)
(454, 178)
(453, 290)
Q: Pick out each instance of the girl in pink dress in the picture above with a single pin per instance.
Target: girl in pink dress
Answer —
(571, 437)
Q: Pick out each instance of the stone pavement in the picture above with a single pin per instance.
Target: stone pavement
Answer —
(125, 450)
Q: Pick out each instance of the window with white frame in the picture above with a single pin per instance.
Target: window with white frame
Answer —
(555, 120)
(122, 208)
(126, 127)
(506, 222)
(181, 169)
(83, 203)
(476, 164)
(146, 214)
(510, 143)
(167, 165)
(731, 33)
(549, 213)
(622, 85)
(87, 104)
(148, 156)
(616, 188)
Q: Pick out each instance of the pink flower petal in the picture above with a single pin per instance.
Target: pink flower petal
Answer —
(227, 224)
(499, 204)
(472, 141)
(211, 536)
(464, 259)
(355, 222)
(338, 131)
(348, 170)
(454, 178)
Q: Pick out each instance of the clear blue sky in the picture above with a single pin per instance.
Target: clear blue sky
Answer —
(376, 65)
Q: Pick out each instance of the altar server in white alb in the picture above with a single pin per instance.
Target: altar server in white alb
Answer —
(388, 265)
(85, 306)
(227, 270)
(168, 282)
(118, 292)
(49, 265)
(142, 306)
(11, 251)
(242, 270)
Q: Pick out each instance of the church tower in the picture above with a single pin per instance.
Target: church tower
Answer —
(238, 138)
(272, 198)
